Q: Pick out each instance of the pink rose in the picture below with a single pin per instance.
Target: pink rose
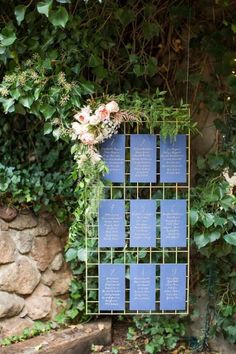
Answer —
(112, 107)
(102, 112)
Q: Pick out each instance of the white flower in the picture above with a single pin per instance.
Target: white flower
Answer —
(79, 128)
(94, 119)
(87, 138)
(106, 133)
(95, 157)
(84, 115)
(82, 160)
(112, 107)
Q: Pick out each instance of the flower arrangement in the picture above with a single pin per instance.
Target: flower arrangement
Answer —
(93, 126)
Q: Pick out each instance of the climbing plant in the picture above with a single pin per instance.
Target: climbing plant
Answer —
(57, 56)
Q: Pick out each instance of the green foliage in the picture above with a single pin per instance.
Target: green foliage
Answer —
(213, 221)
(53, 55)
(38, 87)
(37, 328)
(213, 208)
(160, 333)
(35, 171)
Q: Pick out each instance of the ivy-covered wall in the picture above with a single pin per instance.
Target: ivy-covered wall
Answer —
(54, 55)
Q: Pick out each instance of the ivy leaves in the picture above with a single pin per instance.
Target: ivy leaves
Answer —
(44, 7)
(213, 217)
(59, 17)
(231, 238)
(20, 13)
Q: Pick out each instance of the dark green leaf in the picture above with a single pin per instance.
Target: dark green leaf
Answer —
(43, 7)
(208, 219)
(193, 217)
(230, 238)
(82, 255)
(59, 17)
(47, 111)
(71, 254)
(7, 36)
(20, 13)
(47, 128)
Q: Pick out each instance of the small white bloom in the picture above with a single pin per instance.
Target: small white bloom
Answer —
(94, 119)
(87, 138)
(95, 157)
(79, 128)
(112, 107)
(84, 115)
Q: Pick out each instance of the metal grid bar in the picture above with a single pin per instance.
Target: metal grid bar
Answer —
(158, 255)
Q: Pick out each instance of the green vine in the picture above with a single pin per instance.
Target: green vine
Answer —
(80, 52)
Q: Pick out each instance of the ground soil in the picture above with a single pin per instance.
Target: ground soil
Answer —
(121, 345)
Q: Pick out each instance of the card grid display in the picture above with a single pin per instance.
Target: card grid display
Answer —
(126, 256)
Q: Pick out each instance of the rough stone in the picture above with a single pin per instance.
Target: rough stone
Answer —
(220, 345)
(58, 261)
(7, 248)
(23, 221)
(10, 304)
(14, 326)
(42, 229)
(48, 277)
(44, 250)
(62, 282)
(39, 304)
(23, 240)
(57, 228)
(21, 277)
(4, 226)
(198, 323)
(76, 340)
(7, 214)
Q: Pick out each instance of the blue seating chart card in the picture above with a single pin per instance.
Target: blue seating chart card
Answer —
(173, 160)
(142, 223)
(111, 287)
(142, 287)
(111, 223)
(143, 158)
(173, 223)
(173, 286)
(113, 154)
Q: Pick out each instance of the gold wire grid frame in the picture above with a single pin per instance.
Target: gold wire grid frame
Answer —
(127, 256)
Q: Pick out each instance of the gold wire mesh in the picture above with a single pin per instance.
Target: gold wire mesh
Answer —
(128, 191)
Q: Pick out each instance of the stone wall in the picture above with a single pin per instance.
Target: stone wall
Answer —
(33, 273)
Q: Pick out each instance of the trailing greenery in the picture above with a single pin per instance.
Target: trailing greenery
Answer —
(37, 329)
(213, 222)
(54, 55)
